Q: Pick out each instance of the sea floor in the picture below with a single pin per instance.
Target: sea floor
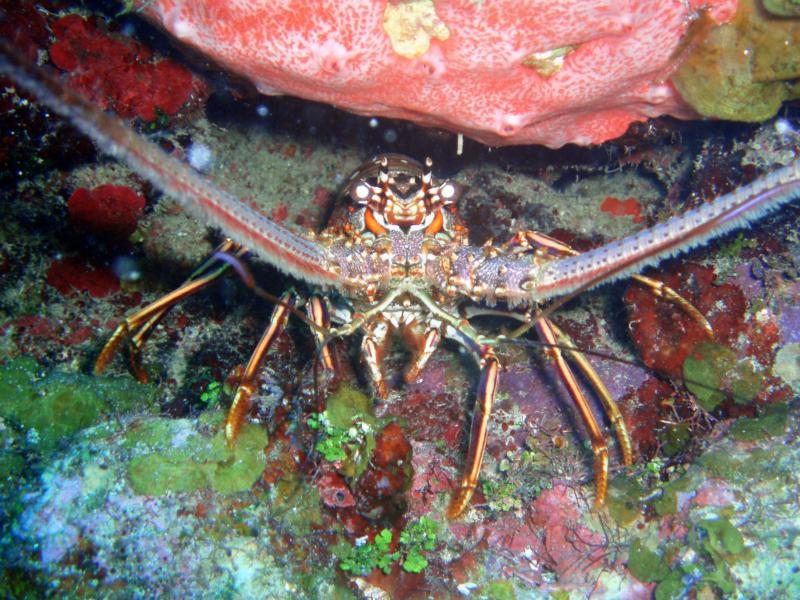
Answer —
(112, 488)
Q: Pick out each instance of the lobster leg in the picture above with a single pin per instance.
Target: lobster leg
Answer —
(547, 334)
(318, 313)
(423, 343)
(661, 290)
(373, 345)
(242, 398)
(610, 406)
(487, 390)
(136, 329)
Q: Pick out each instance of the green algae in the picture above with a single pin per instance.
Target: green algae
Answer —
(417, 539)
(770, 422)
(782, 8)
(347, 430)
(667, 503)
(51, 406)
(645, 564)
(712, 372)
(720, 544)
(787, 365)
(714, 543)
(743, 70)
(362, 559)
(624, 499)
(738, 467)
(176, 457)
(499, 589)
(675, 438)
(346, 404)
(296, 505)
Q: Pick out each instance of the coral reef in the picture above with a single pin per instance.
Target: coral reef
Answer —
(94, 529)
(119, 73)
(49, 407)
(327, 488)
(110, 211)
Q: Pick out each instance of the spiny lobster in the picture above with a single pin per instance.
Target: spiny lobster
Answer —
(402, 262)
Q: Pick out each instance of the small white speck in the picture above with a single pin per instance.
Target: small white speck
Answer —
(784, 127)
(126, 268)
(262, 110)
(373, 122)
(183, 29)
(200, 157)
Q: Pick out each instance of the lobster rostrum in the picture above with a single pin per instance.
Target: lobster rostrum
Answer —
(401, 263)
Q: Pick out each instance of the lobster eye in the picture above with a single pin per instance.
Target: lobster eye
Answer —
(361, 192)
(448, 191)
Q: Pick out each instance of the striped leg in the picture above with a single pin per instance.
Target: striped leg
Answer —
(248, 380)
(136, 329)
(487, 389)
(373, 345)
(609, 405)
(242, 398)
(547, 334)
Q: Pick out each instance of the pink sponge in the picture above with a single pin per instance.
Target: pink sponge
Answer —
(500, 71)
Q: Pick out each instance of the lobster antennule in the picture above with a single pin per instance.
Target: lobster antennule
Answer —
(631, 254)
(270, 241)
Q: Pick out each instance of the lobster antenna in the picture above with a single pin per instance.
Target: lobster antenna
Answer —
(630, 255)
(274, 243)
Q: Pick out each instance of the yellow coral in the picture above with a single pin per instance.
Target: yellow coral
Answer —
(410, 26)
(745, 69)
(549, 62)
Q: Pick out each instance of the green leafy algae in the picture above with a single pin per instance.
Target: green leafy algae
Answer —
(415, 540)
(623, 502)
(722, 544)
(770, 422)
(716, 544)
(363, 558)
(174, 456)
(712, 372)
(675, 438)
(667, 503)
(347, 430)
(51, 406)
(645, 564)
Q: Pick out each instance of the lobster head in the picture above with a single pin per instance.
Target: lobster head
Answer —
(399, 193)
